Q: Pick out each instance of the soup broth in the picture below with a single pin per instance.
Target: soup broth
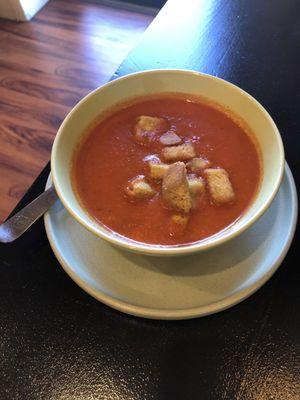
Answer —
(112, 169)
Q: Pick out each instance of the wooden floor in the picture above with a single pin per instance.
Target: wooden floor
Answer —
(46, 66)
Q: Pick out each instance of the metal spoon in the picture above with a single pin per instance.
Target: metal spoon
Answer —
(15, 226)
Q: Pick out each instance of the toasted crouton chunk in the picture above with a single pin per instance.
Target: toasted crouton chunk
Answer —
(197, 164)
(147, 127)
(219, 185)
(196, 185)
(157, 170)
(175, 188)
(182, 152)
(177, 224)
(138, 189)
(147, 123)
(169, 139)
(180, 219)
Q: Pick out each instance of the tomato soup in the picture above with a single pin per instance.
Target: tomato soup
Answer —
(111, 177)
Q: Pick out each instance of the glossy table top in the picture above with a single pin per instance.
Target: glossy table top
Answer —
(59, 343)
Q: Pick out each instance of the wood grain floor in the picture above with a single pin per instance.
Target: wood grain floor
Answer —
(46, 66)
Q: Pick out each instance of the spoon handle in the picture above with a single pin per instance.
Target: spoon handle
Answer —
(15, 226)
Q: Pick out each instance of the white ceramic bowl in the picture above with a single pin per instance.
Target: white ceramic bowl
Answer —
(151, 82)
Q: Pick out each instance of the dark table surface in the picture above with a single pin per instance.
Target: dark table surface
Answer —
(56, 342)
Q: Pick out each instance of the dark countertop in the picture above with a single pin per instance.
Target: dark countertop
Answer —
(59, 343)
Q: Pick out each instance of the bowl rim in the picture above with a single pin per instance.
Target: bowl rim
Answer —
(160, 250)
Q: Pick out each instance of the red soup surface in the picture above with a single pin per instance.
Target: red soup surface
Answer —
(109, 157)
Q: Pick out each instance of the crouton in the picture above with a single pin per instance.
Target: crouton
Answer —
(146, 128)
(196, 185)
(197, 164)
(219, 185)
(152, 158)
(180, 219)
(182, 152)
(177, 224)
(138, 188)
(175, 188)
(157, 170)
(169, 139)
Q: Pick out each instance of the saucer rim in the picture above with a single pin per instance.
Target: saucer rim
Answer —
(188, 313)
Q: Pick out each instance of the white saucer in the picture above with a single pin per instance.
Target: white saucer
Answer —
(181, 287)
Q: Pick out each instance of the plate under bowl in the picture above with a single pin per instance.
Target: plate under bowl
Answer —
(182, 287)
